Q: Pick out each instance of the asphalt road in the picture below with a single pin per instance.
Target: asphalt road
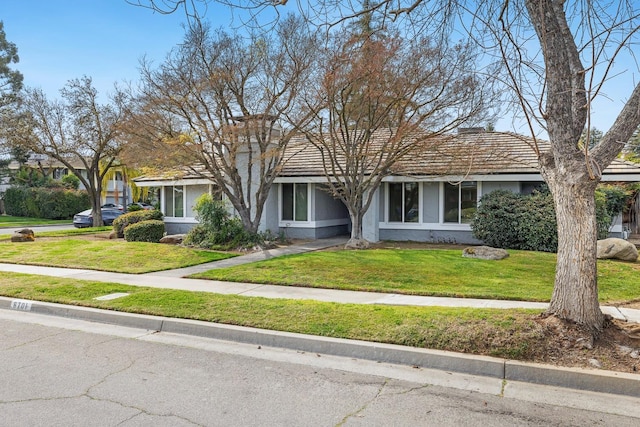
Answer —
(61, 372)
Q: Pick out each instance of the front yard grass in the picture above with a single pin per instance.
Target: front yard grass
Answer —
(105, 255)
(502, 333)
(19, 221)
(524, 275)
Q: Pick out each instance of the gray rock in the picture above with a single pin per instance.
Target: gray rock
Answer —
(357, 244)
(24, 235)
(617, 249)
(595, 363)
(484, 252)
(172, 239)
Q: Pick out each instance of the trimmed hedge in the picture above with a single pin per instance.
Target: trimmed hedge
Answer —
(528, 222)
(41, 202)
(123, 221)
(145, 231)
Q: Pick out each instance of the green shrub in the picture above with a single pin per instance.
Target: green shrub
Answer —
(71, 182)
(603, 218)
(217, 228)
(497, 218)
(124, 220)
(513, 221)
(611, 201)
(537, 227)
(134, 208)
(145, 231)
(40, 202)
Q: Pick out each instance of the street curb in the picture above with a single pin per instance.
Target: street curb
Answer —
(573, 378)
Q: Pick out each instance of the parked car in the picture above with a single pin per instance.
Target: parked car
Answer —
(113, 206)
(85, 219)
(141, 205)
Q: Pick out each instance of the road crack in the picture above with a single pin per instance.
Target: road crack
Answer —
(365, 406)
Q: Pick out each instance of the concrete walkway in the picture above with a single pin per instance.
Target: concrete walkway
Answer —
(174, 279)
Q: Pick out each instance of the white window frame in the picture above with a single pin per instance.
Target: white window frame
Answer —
(459, 223)
(287, 222)
(184, 200)
(387, 203)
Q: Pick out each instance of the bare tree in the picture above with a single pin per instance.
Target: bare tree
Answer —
(559, 56)
(222, 103)
(75, 129)
(381, 98)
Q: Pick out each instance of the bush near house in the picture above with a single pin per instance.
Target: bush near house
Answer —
(125, 220)
(145, 231)
(528, 222)
(42, 202)
(217, 228)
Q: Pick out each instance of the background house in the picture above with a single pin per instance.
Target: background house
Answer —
(114, 191)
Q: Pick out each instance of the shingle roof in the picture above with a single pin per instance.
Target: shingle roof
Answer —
(474, 153)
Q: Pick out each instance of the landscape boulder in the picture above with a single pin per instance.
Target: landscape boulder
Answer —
(617, 249)
(484, 252)
(172, 239)
(24, 235)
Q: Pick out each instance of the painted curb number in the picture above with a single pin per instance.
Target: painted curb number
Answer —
(22, 305)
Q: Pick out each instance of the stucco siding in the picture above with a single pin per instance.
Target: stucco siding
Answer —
(269, 220)
(431, 202)
(326, 207)
(192, 193)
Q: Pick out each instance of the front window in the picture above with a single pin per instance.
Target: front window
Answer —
(294, 202)
(460, 202)
(403, 202)
(174, 201)
(58, 173)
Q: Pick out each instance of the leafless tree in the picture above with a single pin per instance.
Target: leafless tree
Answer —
(559, 56)
(74, 130)
(381, 98)
(223, 104)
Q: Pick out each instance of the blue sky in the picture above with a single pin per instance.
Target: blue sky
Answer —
(59, 40)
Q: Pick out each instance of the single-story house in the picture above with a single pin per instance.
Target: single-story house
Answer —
(430, 196)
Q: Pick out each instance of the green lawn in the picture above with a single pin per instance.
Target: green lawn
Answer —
(523, 276)
(19, 221)
(106, 255)
(456, 329)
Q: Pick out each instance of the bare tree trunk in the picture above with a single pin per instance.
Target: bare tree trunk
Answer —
(357, 241)
(575, 294)
(95, 207)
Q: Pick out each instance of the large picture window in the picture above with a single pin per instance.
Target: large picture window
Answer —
(174, 201)
(460, 202)
(294, 202)
(404, 202)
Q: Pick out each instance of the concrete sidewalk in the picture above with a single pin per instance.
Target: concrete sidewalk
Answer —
(174, 279)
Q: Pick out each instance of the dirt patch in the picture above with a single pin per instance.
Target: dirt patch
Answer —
(616, 348)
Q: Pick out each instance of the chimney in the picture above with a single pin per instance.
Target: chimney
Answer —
(466, 131)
